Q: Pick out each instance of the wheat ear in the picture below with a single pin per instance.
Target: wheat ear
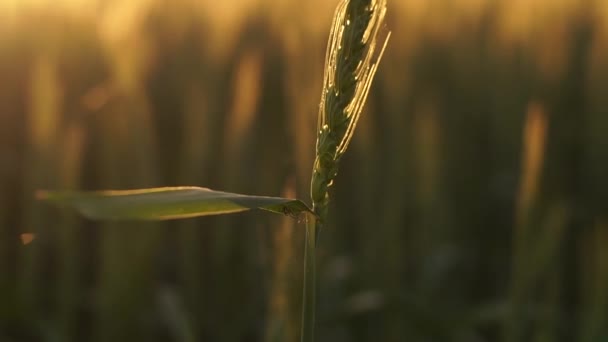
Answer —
(350, 64)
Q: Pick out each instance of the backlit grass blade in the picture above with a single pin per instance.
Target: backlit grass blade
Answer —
(167, 203)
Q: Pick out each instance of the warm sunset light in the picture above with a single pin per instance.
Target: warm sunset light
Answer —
(450, 184)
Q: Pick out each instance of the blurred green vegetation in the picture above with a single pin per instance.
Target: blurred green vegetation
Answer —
(472, 205)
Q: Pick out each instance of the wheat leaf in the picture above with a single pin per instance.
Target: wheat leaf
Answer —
(167, 203)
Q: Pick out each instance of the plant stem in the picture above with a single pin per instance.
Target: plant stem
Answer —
(309, 287)
(350, 64)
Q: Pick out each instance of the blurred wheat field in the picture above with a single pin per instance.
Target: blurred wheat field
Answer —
(473, 205)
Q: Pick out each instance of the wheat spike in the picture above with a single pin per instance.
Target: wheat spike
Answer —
(351, 61)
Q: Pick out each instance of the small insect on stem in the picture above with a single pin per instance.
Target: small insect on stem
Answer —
(289, 212)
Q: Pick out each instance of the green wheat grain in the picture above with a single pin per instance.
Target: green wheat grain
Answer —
(350, 65)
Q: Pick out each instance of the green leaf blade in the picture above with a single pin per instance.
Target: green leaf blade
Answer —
(167, 203)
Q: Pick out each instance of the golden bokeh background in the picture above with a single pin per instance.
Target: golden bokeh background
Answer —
(472, 205)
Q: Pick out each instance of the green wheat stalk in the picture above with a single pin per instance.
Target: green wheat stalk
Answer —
(350, 65)
(351, 62)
